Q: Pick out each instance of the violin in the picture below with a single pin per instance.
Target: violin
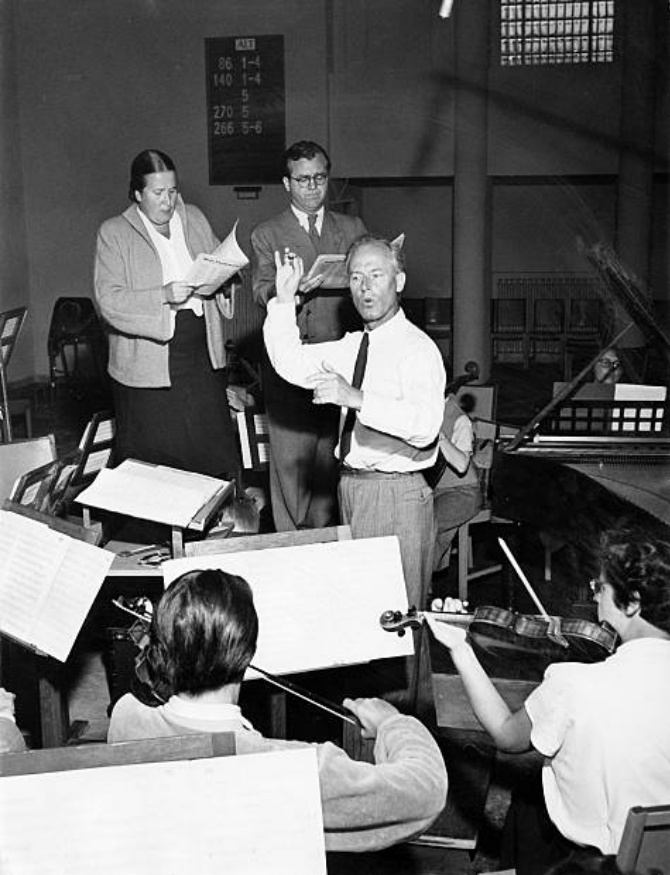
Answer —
(520, 645)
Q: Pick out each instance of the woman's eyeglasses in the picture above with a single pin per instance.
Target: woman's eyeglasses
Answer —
(614, 364)
(596, 585)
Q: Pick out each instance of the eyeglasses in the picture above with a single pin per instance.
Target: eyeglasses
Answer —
(596, 585)
(610, 363)
(316, 179)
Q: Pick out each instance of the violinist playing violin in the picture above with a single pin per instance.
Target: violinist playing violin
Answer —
(201, 642)
(603, 728)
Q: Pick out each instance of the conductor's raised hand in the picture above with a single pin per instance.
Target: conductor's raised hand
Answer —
(289, 269)
(449, 635)
(177, 292)
(330, 387)
(371, 713)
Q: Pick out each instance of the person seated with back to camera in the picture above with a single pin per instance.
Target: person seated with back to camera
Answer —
(201, 641)
(11, 739)
(603, 728)
(458, 494)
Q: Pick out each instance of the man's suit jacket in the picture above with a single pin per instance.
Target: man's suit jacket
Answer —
(326, 313)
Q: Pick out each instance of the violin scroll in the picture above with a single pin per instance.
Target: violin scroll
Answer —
(396, 621)
(449, 611)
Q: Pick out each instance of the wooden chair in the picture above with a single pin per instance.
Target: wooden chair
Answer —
(645, 844)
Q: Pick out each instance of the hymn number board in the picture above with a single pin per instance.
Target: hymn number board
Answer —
(245, 108)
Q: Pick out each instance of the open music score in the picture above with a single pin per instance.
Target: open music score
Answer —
(48, 582)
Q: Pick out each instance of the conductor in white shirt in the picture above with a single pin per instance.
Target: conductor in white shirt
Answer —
(390, 416)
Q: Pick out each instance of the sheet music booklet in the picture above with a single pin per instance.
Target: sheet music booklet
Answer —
(333, 268)
(48, 581)
(211, 270)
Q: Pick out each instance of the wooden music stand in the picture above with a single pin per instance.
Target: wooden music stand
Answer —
(162, 805)
(11, 322)
(94, 756)
(351, 738)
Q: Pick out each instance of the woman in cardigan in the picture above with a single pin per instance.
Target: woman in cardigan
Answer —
(166, 344)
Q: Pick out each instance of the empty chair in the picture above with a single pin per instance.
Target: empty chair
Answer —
(645, 844)
(76, 343)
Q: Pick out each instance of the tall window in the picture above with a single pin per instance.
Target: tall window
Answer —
(536, 32)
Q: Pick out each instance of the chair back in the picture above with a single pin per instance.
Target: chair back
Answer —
(20, 457)
(252, 430)
(645, 844)
(479, 402)
(72, 319)
(95, 447)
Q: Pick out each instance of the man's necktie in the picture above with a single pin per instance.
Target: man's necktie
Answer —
(312, 229)
(350, 418)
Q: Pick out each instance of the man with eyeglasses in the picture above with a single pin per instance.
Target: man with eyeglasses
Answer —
(303, 472)
(609, 368)
(603, 728)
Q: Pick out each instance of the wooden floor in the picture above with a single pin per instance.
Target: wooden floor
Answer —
(479, 783)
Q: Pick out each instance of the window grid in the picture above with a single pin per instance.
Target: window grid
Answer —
(536, 32)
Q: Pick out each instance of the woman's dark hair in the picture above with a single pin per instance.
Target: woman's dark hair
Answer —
(636, 564)
(303, 149)
(149, 161)
(203, 633)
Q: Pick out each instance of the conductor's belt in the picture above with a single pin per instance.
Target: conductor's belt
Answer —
(346, 471)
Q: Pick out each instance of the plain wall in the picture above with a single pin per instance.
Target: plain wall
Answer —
(86, 84)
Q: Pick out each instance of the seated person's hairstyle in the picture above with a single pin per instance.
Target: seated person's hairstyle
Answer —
(203, 633)
(636, 563)
(396, 252)
(303, 149)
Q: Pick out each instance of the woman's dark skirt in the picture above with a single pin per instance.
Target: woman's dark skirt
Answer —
(186, 425)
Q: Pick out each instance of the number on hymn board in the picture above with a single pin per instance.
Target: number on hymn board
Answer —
(246, 122)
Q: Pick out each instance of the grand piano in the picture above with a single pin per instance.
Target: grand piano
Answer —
(582, 464)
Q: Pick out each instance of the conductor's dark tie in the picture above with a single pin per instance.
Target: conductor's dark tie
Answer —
(350, 418)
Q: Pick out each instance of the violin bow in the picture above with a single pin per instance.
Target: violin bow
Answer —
(286, 686)
(523, 578)
(308, 696)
